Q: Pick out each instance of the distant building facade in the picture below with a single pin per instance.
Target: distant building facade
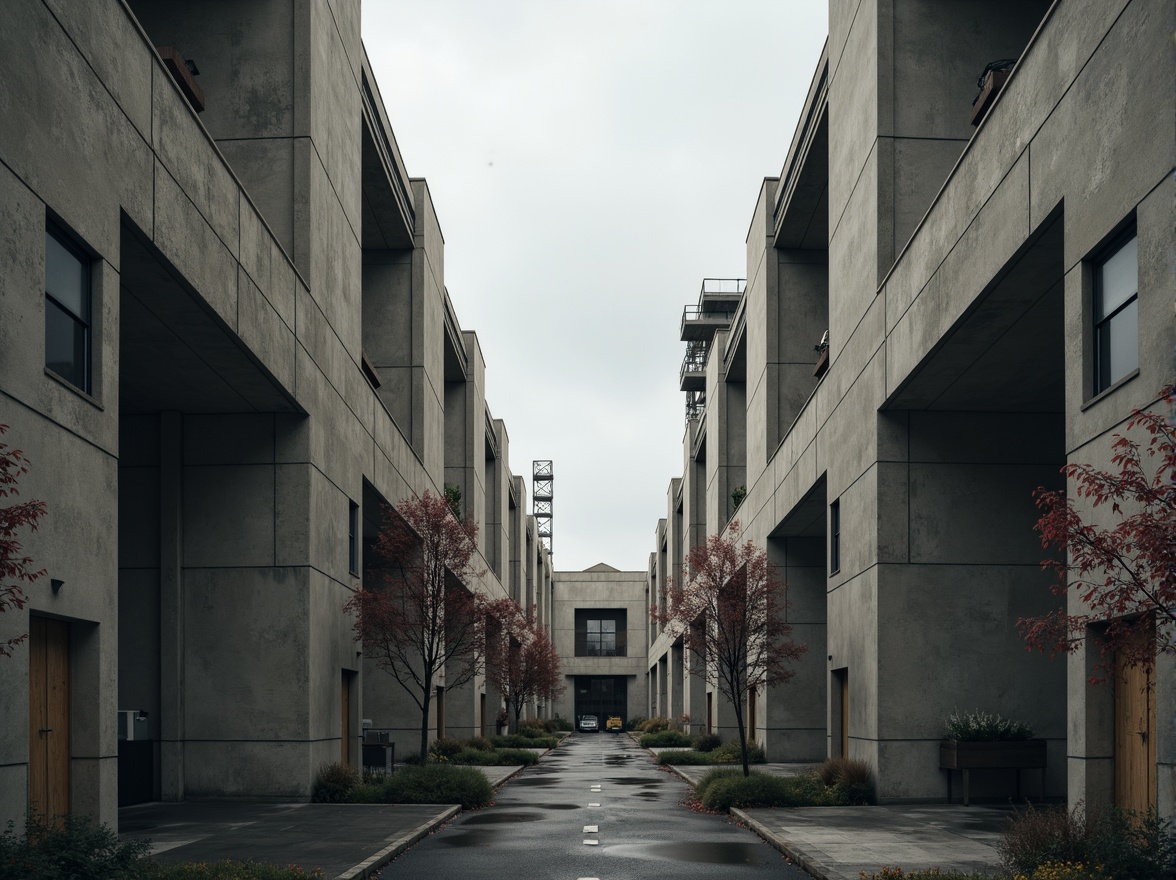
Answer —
(225, 343)
(935, 319)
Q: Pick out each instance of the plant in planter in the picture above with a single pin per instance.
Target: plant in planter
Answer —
(983, 741)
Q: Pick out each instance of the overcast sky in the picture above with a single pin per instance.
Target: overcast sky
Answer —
(591, 163)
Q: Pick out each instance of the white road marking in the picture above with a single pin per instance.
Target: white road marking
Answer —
(591, 829)
(591, 843)
(594, 805)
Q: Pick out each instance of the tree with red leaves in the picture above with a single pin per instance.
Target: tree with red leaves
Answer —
(16, 570)
(521, 661)
(730, 611)
(1122, 571)
(416, 617)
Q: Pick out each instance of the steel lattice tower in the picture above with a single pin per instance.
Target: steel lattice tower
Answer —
(542, 477)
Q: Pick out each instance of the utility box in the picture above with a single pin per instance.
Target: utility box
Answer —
(379, 753)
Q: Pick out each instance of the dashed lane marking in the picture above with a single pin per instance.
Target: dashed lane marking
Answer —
(591, 843)
(591, 829)
(594, 805)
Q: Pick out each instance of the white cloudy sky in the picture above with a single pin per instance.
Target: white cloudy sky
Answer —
(591, 163)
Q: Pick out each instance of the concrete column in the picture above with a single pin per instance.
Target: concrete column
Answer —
(171, 607)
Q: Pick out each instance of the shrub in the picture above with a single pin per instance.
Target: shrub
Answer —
(562, 723)
(1068, 871)
(852, 778)
(77, 849)
(635, 723)
(333, 782)
(713, 776)
(763, 790)
(685, 757)
(664, 738)
(541, 725)
(480, 743)
(533, 732)
(412, 758)
(1123, 843)
(227, 870)
(655, 725)
(923, 874)
(730, 753)
(494, 757)
(707, 742)
(445, 747)
(518, 741)
(438, 784)
(980, 726)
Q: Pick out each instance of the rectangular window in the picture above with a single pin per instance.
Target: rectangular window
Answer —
(353, 537)
(67, 310)
(600, 632)
(835, 537)
(1116, 312)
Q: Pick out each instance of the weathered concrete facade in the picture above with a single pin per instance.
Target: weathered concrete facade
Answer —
(598, 625)
(955, 272)
(268, 353)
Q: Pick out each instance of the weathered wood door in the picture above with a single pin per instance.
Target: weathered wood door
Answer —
(48, 717)
(1135, 737)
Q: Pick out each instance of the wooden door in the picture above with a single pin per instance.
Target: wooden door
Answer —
(1135, 737)
(345, 719)
(48, 717)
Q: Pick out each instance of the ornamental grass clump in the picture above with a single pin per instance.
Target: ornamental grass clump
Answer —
(438, 784)
(228, 870)
(707, 742)
(333, 782)
(922, 874)
(518, 741)
(1109, 841)
(980, 726)
(76, 849)
(851, 778)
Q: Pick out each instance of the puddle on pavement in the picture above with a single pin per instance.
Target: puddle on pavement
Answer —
(626, 780)
(557, 806)
(477, 837)
(498, 818)
(533, 780)
(703, 853)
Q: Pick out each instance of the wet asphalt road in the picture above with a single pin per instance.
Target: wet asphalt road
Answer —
(538, 827)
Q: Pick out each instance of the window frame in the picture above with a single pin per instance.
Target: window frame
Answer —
(1099, 354)
(835, 537)
(352, 537)
(71, 246)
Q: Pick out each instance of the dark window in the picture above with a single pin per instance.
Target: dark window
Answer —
(353, 537)
(835, 537)
(600, 632)
(1116, 312)
(67, 310)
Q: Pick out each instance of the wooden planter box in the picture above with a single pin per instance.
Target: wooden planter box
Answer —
(965, 756)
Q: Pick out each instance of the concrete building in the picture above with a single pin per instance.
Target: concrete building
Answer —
(935, 319)
(598, 626)
(225, 341)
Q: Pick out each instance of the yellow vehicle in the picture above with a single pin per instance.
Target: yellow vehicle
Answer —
(614, 724)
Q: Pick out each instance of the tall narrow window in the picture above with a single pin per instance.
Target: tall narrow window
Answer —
(67, 311)
(835, 537)
(353, 537)
(1116, 312)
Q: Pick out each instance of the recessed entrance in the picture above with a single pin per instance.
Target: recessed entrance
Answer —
(1135, 736)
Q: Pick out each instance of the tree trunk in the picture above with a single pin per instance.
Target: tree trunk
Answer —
(425, 719)
(742, 737)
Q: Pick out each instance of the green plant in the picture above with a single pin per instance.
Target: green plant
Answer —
(763, 790)
(684, 758)
(561, 723)
(730, 753)
(227, 870)
(480, 743)
(445, 747)
(438, 784)
(494, 757)
(1066, 871)
(664, 738)
(738, 494)
(333, 782)
(980, 726)
(636, 723)
(853, 779)
(655, 725)
(924, 874)
(453, 498)
(77, 848)
(1124, 843)
(519, 741)
(713, 776)
(707, 742)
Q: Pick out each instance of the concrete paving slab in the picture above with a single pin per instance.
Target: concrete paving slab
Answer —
(836, 843)
(343, 840)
